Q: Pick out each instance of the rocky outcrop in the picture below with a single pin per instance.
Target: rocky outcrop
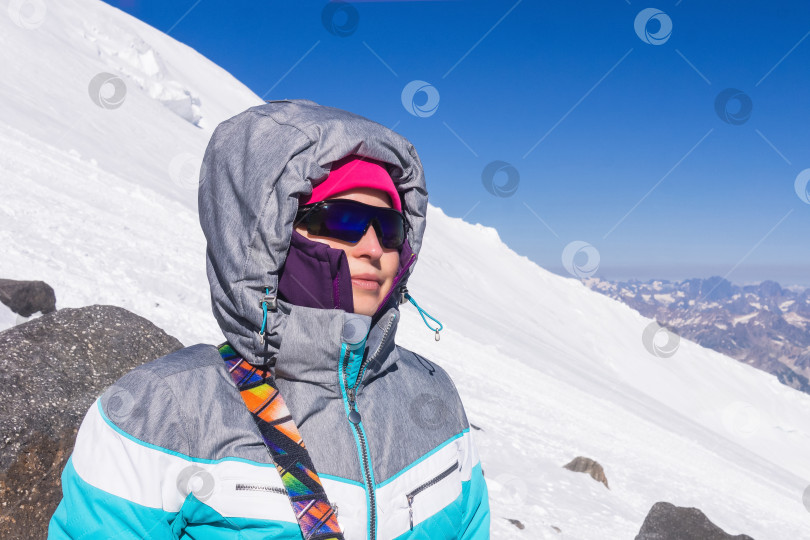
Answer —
(52, 368)
(665, 521)
(587, 465)
(27, 297)
(516, 522)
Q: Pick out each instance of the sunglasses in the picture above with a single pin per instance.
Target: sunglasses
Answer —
(348, 220)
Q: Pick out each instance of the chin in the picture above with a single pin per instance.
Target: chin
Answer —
(364, 307)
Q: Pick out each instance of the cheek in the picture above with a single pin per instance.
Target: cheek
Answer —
(390, 264)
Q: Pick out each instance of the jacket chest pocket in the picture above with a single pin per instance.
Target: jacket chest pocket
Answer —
(257, 498)
(237, 501)
(433, 495)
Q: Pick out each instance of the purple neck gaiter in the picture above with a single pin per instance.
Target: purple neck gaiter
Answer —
(317, 276)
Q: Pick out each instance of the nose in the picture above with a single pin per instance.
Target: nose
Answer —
(369, 244)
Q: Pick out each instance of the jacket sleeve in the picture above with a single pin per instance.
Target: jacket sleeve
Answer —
(476, 518)
(115, 483)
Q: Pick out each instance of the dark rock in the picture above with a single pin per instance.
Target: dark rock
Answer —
(516, 523)
(475, 427)
(31, 489)
(665, 521)
(52, 368)
(27, 297)
(587, 465)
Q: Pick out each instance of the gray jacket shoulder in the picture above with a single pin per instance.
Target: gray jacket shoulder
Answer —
(432, 383)
(180, 402)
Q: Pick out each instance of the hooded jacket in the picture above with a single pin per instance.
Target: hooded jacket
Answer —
(171, 451)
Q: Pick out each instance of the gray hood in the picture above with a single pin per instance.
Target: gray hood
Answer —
(256, 166)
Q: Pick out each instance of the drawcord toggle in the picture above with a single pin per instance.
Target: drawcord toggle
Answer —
(404, 297)
(271, 300)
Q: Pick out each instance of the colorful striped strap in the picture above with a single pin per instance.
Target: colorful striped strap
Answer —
(316, 516)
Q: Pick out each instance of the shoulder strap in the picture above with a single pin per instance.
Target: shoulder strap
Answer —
(316, 516)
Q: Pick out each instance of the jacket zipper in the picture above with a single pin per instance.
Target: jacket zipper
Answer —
(260, 487)
(436, 479)
(368, 359)
(354, 419)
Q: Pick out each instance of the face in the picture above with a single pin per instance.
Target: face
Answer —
(367, 258)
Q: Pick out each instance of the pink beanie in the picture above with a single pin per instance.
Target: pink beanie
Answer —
(355, 171)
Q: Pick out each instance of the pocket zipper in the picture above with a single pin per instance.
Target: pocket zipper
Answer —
(260, 487)
(426, 485)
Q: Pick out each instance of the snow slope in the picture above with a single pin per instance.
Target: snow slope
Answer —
(49, 72)
(101, 204)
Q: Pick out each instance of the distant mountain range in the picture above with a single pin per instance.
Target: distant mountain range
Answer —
(764, 325)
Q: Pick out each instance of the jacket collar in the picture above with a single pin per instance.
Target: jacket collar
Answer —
(314, 339)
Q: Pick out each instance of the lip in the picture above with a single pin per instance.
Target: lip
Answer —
(366, 282)
(368, 277)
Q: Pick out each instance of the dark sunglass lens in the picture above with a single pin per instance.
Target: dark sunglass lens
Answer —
(347, 220)
(393, 229)
(344, 221)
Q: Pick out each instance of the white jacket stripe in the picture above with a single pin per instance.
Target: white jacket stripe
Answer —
(111, 460)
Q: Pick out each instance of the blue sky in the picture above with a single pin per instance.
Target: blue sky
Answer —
(612, 136)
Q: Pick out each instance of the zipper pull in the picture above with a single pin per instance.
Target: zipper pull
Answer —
(354, 416)
(410, 509)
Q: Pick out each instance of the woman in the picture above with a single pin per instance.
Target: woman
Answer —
(309, 420)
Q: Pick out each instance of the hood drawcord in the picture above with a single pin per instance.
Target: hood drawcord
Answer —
(404, 296)
(268, 299)
(269, 357)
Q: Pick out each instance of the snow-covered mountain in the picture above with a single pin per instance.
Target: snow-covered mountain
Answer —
(97, 198)
(764, 325)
